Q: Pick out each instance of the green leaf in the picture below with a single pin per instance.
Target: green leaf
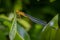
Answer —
(22, 32)
(18, 37)
(52, 24)
(57, 36)
(13, 28)
(3, 17)
(26, 24)
(49, 31)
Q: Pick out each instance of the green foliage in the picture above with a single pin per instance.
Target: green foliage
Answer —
(13, 27)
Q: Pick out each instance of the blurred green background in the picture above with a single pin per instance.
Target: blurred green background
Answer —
(13, 27)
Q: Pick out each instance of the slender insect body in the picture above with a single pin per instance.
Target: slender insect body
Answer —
(36, 20)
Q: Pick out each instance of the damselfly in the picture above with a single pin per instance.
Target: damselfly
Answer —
(38, 21)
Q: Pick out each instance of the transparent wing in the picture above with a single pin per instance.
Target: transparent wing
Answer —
(38, 21)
